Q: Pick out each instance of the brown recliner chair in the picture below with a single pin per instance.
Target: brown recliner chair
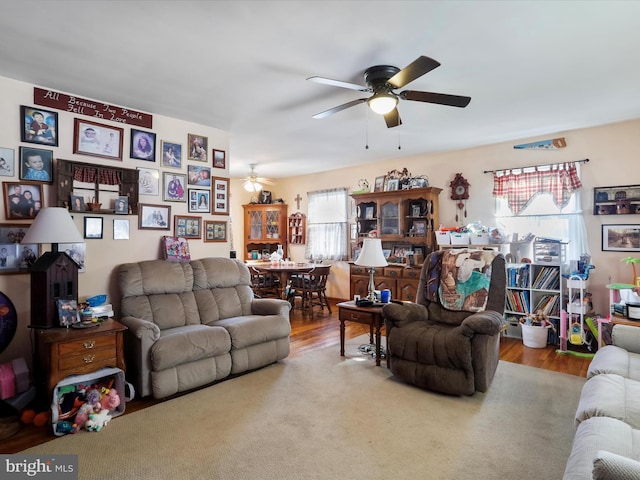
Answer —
(443, 349)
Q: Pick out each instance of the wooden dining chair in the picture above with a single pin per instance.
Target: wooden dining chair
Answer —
(311, 287)
(264, 284)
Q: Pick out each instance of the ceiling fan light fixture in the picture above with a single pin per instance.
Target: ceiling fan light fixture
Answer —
(382, 102)
(252, 186)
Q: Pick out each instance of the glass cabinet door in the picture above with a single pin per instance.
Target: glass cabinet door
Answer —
(255, 225)
(390, 218)
(273, 223)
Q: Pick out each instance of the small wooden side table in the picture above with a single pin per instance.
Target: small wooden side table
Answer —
(372, 316)
(69, 351)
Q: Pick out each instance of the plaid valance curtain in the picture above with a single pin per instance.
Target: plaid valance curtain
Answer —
(91, 174)
(559, 180)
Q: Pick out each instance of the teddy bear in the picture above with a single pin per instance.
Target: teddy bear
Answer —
(97, 420)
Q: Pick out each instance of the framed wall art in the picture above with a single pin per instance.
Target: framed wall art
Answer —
(199, 176)
(174, 187)
(93, 227)
(148, 181)
(77, 203)
(38, 126)
(120, 229)
(22, 199)
(36, 164)
(187, 227)
(14, 256)
(95, 139)
(621, 238)
(154, 217)
(143, 145)
(197, 147)
(219, 158)
(171, 154)
(121, 206)
(220, 192)
(77, 252)
(7, 162)
(215, 231)
(199, 201)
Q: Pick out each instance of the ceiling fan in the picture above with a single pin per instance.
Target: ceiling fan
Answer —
(382, 80)
(253, 183)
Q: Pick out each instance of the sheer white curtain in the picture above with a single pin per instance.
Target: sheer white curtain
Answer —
(327, 224)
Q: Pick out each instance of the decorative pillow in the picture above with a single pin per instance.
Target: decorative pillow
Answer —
(464, 279)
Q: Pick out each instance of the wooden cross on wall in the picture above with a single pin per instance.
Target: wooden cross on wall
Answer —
(297, 199)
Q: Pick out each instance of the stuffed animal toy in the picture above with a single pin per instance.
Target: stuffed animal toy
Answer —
(82, 416)
(97, 421)
(93, 397)
(110, 400)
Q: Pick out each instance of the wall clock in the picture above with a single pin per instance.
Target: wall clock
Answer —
(459, 188)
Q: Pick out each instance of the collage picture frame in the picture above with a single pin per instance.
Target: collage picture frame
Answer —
(97, 140)
(220, 192)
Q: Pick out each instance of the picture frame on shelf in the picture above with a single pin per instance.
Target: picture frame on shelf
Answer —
(7, 162)
(621, 238)
(199, 201)
(93, 227)
(392, 185)
(148, 181)
(121, 206)
(154, 217)
(174, 187)
(368, 213)
(215, 231)
(143, 145)
(121, 229)
(67, 312)
(171, 154)
(219, 158)
(378, 185)
(199, 175)
(22, 200)
(419, 228)
(38, 126)
(187, 227)
(97, 140)
(77, 203)
(220, 193)
(77, 252)
(16, 257)
(36, 164)
(197, 147)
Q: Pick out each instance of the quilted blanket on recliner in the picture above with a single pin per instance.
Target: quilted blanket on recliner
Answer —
(464, 278)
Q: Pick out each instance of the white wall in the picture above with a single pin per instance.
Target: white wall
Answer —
(612, 151)
(105, 254)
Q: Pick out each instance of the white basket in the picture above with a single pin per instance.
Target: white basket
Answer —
(577, 308)
(534, 337)
(459, 239)
(479, 239)
(443, 238)
(577, 283)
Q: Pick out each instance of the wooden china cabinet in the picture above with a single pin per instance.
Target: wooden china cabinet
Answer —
(265, 227)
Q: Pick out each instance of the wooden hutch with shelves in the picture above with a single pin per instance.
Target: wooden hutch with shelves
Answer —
(265, 227)
(297, 229)
(405, 220)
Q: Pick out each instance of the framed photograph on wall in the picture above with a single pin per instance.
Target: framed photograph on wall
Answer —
(22, 200)
(16, 257)
(143, 145)
(199, 201)
(120, 229)
(197, 147)
(174, 184)
(187, 227)
(148, 181)
(220, 193)
(77, 252)
(621, 238)
(36, 164)
(38, 126)
(95, 139)
(219, 158)
(154, 217)
(200, 176)
(215, 231)
(7, 162)
(171, 154)
(93, 227)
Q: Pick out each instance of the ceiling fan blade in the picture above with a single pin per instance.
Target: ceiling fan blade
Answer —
(338, 83)
(393, 118)
(417, 68)
(439, 98)
(344, 106)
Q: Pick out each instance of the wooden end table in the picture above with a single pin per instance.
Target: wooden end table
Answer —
(372, 316)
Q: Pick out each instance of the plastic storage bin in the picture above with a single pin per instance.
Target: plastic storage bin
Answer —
(479, 239)
(443, 238)
(534, 336)
(459, 239)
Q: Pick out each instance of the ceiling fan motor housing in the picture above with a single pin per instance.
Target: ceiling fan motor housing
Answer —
(376, 77)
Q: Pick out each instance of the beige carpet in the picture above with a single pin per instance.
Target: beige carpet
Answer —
(326, 417)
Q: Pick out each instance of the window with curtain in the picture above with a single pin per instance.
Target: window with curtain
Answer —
(544, 201)
(327, 224)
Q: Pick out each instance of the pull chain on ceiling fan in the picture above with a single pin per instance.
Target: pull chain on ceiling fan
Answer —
(382, 80)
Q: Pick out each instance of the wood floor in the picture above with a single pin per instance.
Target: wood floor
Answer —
(323, 331)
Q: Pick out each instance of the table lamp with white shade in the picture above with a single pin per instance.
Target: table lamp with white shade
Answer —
(371, 256)
(54, 275)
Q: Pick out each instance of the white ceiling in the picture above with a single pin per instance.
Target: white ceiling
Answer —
(531, 68)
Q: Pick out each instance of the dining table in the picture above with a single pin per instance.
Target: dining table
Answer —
(283, 270)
